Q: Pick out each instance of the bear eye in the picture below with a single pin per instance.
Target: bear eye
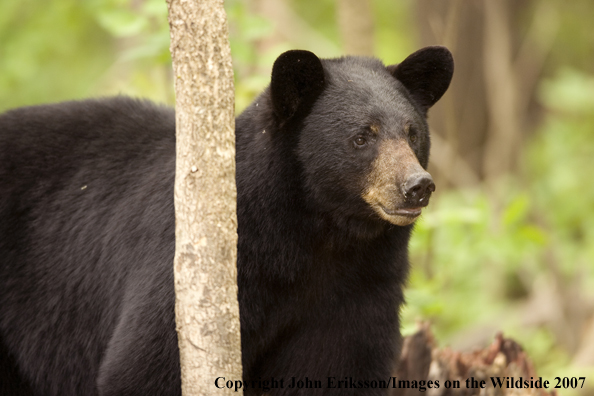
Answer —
(360, 141)
(412, 135)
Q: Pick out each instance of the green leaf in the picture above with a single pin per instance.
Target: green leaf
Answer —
(516, 211)
(122, 22)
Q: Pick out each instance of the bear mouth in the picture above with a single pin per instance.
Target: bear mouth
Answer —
(399, 216)
(408, 212)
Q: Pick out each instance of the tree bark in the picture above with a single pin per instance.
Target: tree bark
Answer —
(207, 311)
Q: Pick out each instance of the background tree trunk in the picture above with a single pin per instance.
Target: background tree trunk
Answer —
(207, 311)
(355, 21)
(290, 28)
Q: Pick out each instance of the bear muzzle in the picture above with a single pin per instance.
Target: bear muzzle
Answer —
(398, 188)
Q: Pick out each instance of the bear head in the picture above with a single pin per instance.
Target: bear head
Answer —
(361, 134)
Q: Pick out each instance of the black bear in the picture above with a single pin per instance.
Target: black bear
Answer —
(331, 175)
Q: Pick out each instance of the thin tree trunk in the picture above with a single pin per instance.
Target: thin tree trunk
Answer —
(207, 311)
(355, 21)
(504, 137)
(290, 27)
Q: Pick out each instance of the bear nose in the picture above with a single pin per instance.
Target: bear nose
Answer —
(418, 189)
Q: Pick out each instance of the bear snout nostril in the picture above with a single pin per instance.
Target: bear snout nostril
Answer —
(418, 189)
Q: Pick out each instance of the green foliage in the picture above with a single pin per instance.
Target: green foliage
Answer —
(146, 21)
(49, 51)
(561, 158)
(66, 49)
(245, 30)
(395, 32)
(141, 36)
(478, 254)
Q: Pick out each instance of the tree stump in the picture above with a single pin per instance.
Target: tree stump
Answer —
(422, 360)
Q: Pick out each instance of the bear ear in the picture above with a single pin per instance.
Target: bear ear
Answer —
(297, 81)
(426, 74)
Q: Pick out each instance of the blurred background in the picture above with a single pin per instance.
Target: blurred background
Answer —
(507, 243)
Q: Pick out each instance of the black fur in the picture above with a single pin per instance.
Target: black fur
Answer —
(87, 237)
(426, 74)
(87, 227)
(297, 80)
